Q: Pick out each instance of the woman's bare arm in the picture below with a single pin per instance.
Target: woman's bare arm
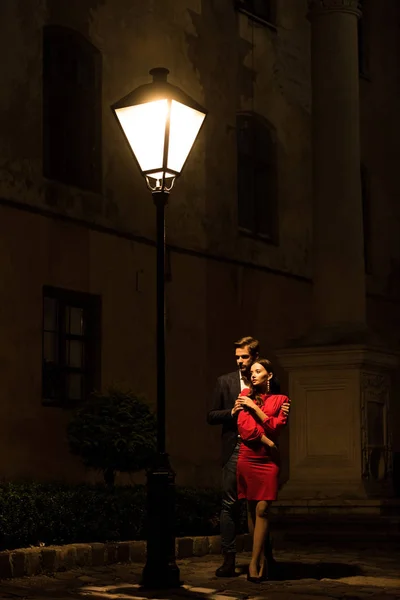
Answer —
(265, 440)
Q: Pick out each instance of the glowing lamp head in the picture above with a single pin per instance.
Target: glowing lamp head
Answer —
(161, 124)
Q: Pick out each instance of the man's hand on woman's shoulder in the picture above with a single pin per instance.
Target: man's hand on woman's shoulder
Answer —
(285, 408)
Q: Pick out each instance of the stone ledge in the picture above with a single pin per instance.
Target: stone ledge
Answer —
(337, 506)
(51, 559)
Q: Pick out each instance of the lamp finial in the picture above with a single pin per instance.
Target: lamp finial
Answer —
(159, 73)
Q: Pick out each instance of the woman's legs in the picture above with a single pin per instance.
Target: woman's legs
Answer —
(251, 516)
(256, 566)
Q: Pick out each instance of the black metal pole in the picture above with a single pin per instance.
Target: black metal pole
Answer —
(160, 200)
(161, 570)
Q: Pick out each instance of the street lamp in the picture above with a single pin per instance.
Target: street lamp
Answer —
(161, 124)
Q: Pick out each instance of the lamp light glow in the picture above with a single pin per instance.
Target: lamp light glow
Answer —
(161, 124)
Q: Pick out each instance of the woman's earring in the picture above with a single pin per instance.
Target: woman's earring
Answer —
(268, 386)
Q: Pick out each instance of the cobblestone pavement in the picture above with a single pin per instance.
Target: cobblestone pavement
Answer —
(304, 574)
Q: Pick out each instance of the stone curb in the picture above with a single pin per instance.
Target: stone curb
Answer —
(50, 559)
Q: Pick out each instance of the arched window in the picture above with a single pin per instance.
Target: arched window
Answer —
(366, 212)
(260, 9)
(71, 109)
(257, 177)
(363, 41)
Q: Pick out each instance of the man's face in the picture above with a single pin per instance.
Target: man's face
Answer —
(244, 359)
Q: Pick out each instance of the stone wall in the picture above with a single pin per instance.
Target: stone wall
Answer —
(222, 285)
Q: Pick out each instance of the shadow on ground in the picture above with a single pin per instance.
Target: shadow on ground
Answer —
(289, 571)
(285, 571)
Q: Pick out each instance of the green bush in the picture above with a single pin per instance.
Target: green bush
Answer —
(113, 431)
(33, 513)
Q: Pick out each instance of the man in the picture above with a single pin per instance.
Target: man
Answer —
(226, 404)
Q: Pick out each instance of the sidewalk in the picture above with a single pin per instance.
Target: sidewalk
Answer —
(311, 573)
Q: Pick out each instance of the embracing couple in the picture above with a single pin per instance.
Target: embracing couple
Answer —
(251, 411)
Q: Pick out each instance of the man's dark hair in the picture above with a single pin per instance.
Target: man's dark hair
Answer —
(252, 343)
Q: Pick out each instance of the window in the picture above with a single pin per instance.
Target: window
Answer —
(363, 44)
(257, 177)
(260, 9)
(71, 109)
(71, 346)
(366, 209)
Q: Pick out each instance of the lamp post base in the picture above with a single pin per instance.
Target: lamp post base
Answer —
(161, 570)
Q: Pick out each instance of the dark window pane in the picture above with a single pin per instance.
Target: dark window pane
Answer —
(245, 136)
(72, 108)
(375, 424)
(75, 354)
(366, 210)
(262, 8)
(74, 386)
(362, 39)
(74, 320)
(71, 356)
(266, 194)
(50, 348)
(257, 177)
(263, 218)
(259, 8)
(49, 314)
(52, 381)
(246, 205)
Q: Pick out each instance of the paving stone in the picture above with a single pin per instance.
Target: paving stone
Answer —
(98, 554)
(66, 576)
(87, 579)
(111, 550)
(200, 546)
(33, 561)
(214, 544)
(234, 594)
(49, 559)
(66, 557)
(18, 564)
(138, 551)
(184, 547)
(83, 555)
(120, 581)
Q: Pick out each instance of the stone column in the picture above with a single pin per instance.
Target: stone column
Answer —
(338, 233)
(339, 426)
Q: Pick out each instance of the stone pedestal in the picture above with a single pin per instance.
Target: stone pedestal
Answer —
(340, 440)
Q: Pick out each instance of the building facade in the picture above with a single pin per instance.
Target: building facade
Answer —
(250, 250)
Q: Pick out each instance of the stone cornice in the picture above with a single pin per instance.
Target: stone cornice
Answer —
(333, 357)
(317, 7)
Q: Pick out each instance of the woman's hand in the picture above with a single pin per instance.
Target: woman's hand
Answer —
(265, 440)
(248, 403)
(285, 408)
(238, 406)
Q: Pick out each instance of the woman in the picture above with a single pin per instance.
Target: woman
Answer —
(263, 415)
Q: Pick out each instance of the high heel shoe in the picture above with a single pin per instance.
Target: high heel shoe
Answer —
(264, 574)
(252, 579)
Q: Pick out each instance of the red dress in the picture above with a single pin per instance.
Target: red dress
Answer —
(258, 465)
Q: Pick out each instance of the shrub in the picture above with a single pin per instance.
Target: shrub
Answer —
(33, 513)
(114, 431)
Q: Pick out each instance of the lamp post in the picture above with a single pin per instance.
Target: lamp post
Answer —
(161, 124)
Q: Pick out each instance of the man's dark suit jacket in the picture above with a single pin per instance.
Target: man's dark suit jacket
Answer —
(226, 391)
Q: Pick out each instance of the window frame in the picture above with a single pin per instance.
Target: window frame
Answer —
(363, 48)
(367, 217)
(90, 304)
(76, 174)
(266, 167)
(247, 8)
